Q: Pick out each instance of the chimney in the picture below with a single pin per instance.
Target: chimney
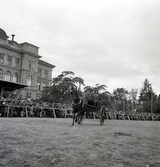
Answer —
(13, 37)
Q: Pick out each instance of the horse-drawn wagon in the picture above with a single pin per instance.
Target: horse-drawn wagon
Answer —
(82, 105)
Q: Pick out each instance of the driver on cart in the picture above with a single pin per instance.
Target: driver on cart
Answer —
(96, 98)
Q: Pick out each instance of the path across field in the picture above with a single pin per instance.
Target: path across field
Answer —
(47, 142)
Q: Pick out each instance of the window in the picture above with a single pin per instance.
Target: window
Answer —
(29, 66)
(8, 76)
(1, 58)
(15, 77)
(16, 62)
(1, 74)
(9, 60)
(38, 86)
(46, 74)
(39, 72)
(29, 80)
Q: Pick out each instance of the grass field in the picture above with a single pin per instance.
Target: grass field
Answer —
(47, 142)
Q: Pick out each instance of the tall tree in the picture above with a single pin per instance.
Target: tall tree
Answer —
(89, 91)
(158, 105)
(120, 98)
(59, 91)
(147, 97)
(104, 95)
(145, 92)
(107, 99)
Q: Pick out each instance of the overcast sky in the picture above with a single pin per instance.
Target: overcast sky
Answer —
(111, 42)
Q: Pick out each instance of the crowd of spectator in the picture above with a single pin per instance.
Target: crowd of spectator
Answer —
(24, 108)
(124, 115)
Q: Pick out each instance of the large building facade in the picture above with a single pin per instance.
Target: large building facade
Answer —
(21, 63)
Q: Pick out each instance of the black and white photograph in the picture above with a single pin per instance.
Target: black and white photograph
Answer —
(80, 83)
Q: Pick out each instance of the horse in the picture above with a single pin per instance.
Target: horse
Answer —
(83, 104)
(77, 105)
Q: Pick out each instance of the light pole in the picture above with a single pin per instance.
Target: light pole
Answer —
(123, 100)
(151, 101)
(31, 75)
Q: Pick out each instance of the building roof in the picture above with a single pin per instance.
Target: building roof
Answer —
(3, 34)
(19, 50)
(46, 64)
(10, 86)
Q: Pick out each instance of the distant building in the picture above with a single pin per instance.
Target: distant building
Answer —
(21, 64)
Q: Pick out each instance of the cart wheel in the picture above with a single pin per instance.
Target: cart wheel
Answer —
(102, 117)
(79, 118)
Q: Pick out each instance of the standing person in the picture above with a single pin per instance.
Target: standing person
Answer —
(4, 107)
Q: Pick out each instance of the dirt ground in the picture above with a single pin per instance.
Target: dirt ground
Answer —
(47, 142)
